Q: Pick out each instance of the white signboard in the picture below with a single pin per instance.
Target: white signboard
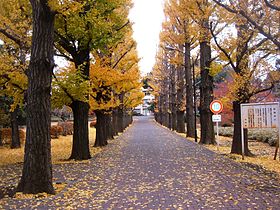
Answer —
(216, 118)
(259, 115)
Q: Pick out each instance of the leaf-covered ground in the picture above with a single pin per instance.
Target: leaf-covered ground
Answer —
(262, 160)
(149, 167)
(61, 150)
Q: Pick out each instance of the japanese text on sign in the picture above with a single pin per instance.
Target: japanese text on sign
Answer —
(260, 115)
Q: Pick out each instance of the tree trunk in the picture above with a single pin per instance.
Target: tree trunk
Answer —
(101, 124)
(80, 146)
(165, 110)
(1, 142)
(242, 65)
(189, 92)
(180, 97)
(180, 122)
(115, 122)
(131, 118)
(236, 143)
(173, 98)
(15, 143)
(160, 109)
(110, 126)
(120, 124)
(126, 119)
(37, 168)
(169, 104)
(120, 115)
(206, 95)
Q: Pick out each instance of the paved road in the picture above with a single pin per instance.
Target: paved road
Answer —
(149, 167)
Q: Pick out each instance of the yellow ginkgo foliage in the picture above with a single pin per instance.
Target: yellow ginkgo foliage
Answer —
(69, 85)
(15, 43)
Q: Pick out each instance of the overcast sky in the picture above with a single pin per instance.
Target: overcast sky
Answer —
(147, 16)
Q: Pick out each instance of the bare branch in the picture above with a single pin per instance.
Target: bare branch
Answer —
(272, 6)
(261, 90)
(64, 56)
(251, 21)
(221, 48)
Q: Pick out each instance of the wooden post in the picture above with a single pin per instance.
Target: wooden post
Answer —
(276, 149)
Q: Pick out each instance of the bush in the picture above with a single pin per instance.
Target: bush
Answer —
(269, 136)
(6, 135)
(56, 131)
(67, 128)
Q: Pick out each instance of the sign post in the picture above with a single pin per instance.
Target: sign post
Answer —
(216, 107)
(259, 115)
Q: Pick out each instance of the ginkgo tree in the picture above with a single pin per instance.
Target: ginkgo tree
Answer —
(108, 46)
(109, 78)
(13, 83)
(15, 27)
(37, 169)
(185, 28)
(159, 81)
(82, 27)
(115, 81)
(248, 55)
(183, 33)
(261, 15)
(15, 30)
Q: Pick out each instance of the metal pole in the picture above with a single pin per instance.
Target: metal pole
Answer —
(242, 133)
(278, 143)
(217, 124)
(194, 102)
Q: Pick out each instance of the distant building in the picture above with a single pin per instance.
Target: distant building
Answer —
(144, 108)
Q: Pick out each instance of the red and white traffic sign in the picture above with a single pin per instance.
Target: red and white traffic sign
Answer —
(216, 106)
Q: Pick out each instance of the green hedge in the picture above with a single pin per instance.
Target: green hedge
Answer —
(267, 135)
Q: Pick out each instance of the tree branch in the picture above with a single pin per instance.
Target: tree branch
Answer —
(64, 89)
(250, 20)
(123, 55)
(64, 56)
(118, 29)
(261, 90)
(17, 40)
(8, 79)
(65, 44)
(221, 48)
(259, 44)
(271, 5)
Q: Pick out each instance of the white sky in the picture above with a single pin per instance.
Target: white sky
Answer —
(147, 16)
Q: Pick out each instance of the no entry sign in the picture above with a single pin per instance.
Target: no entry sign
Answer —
(216, 106)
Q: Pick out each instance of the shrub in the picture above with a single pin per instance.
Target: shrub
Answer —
(67, 128)
(269, 136)
(56, 131)
(272, 141)
(6, 135)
